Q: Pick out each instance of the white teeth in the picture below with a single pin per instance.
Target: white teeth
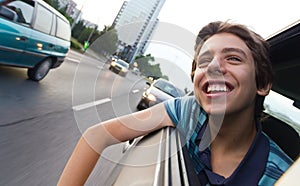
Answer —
(217, 88)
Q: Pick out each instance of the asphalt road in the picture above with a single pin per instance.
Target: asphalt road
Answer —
(40, 123)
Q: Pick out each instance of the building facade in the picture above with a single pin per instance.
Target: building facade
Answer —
(71, 10)
(135, 23)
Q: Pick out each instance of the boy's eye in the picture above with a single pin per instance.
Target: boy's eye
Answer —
(234, 59)
(203, 62)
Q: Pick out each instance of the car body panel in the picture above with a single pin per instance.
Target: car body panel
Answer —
(23, 44)
(11, 48)
(149, 162)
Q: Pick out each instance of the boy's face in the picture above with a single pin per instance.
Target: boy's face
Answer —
(224, 81)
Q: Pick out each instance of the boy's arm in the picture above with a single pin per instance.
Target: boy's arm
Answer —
(80, 164)
(98, 137)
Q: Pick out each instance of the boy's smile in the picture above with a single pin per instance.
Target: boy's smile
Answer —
(216, 88)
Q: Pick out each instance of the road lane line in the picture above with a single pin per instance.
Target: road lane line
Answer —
(100, 67)
(135, 91)
(72, 59)
(91, 104)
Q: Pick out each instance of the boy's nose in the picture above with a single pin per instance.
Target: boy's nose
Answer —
(216, 66)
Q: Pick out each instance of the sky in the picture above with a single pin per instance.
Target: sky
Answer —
(265, 17)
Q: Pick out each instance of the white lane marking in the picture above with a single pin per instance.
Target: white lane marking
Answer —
(135, 91)
(100, 67)
(91, 104)
(74, 60)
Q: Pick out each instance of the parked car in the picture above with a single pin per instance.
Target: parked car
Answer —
(33, 35)
(120, 67)
(159, 91)
(159, 158)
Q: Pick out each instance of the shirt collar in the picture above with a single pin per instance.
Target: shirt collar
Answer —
(249, 170)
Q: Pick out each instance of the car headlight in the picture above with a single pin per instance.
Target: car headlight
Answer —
(151, 97)
(113, 63)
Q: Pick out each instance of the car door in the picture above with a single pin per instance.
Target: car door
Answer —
(14, 34)
(155, 159)
(41, 43)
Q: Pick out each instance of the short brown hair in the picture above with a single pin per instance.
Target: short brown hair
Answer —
(258, 46)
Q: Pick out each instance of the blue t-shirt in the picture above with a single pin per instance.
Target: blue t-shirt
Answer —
(263, 164)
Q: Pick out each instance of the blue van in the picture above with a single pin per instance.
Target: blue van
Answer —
(33, 35)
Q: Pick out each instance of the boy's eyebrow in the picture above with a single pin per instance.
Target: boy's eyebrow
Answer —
(226, 50)
(207, 52)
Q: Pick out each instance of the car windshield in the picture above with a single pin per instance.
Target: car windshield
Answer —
(168, 88)
(123, 63)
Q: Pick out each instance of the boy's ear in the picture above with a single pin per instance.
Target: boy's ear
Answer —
(264, 90)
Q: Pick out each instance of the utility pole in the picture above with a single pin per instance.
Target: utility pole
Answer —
(87, 42)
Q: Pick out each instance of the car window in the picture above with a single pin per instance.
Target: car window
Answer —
(123, 63)
(63, 31)
(168, 88)
(23, 10)
(159, 85)
(40, 23)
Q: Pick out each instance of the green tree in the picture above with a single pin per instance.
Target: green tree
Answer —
(63, 11)
(78, 28)
(84, 35)
(54, 3)
(148, 69)
(49, 2)
(106, 29)
(106, 41)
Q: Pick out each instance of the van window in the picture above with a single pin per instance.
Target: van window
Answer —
(43, 21)
(63, 29)
(23, 11)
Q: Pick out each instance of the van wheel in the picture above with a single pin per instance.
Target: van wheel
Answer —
(39, 71)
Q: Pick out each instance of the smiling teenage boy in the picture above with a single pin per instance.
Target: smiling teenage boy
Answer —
(232, 74)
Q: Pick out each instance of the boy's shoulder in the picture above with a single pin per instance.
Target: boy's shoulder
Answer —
(278, 157)
(278, 162)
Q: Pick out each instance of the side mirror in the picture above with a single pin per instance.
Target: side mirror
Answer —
(148, 83)
(8, 13)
